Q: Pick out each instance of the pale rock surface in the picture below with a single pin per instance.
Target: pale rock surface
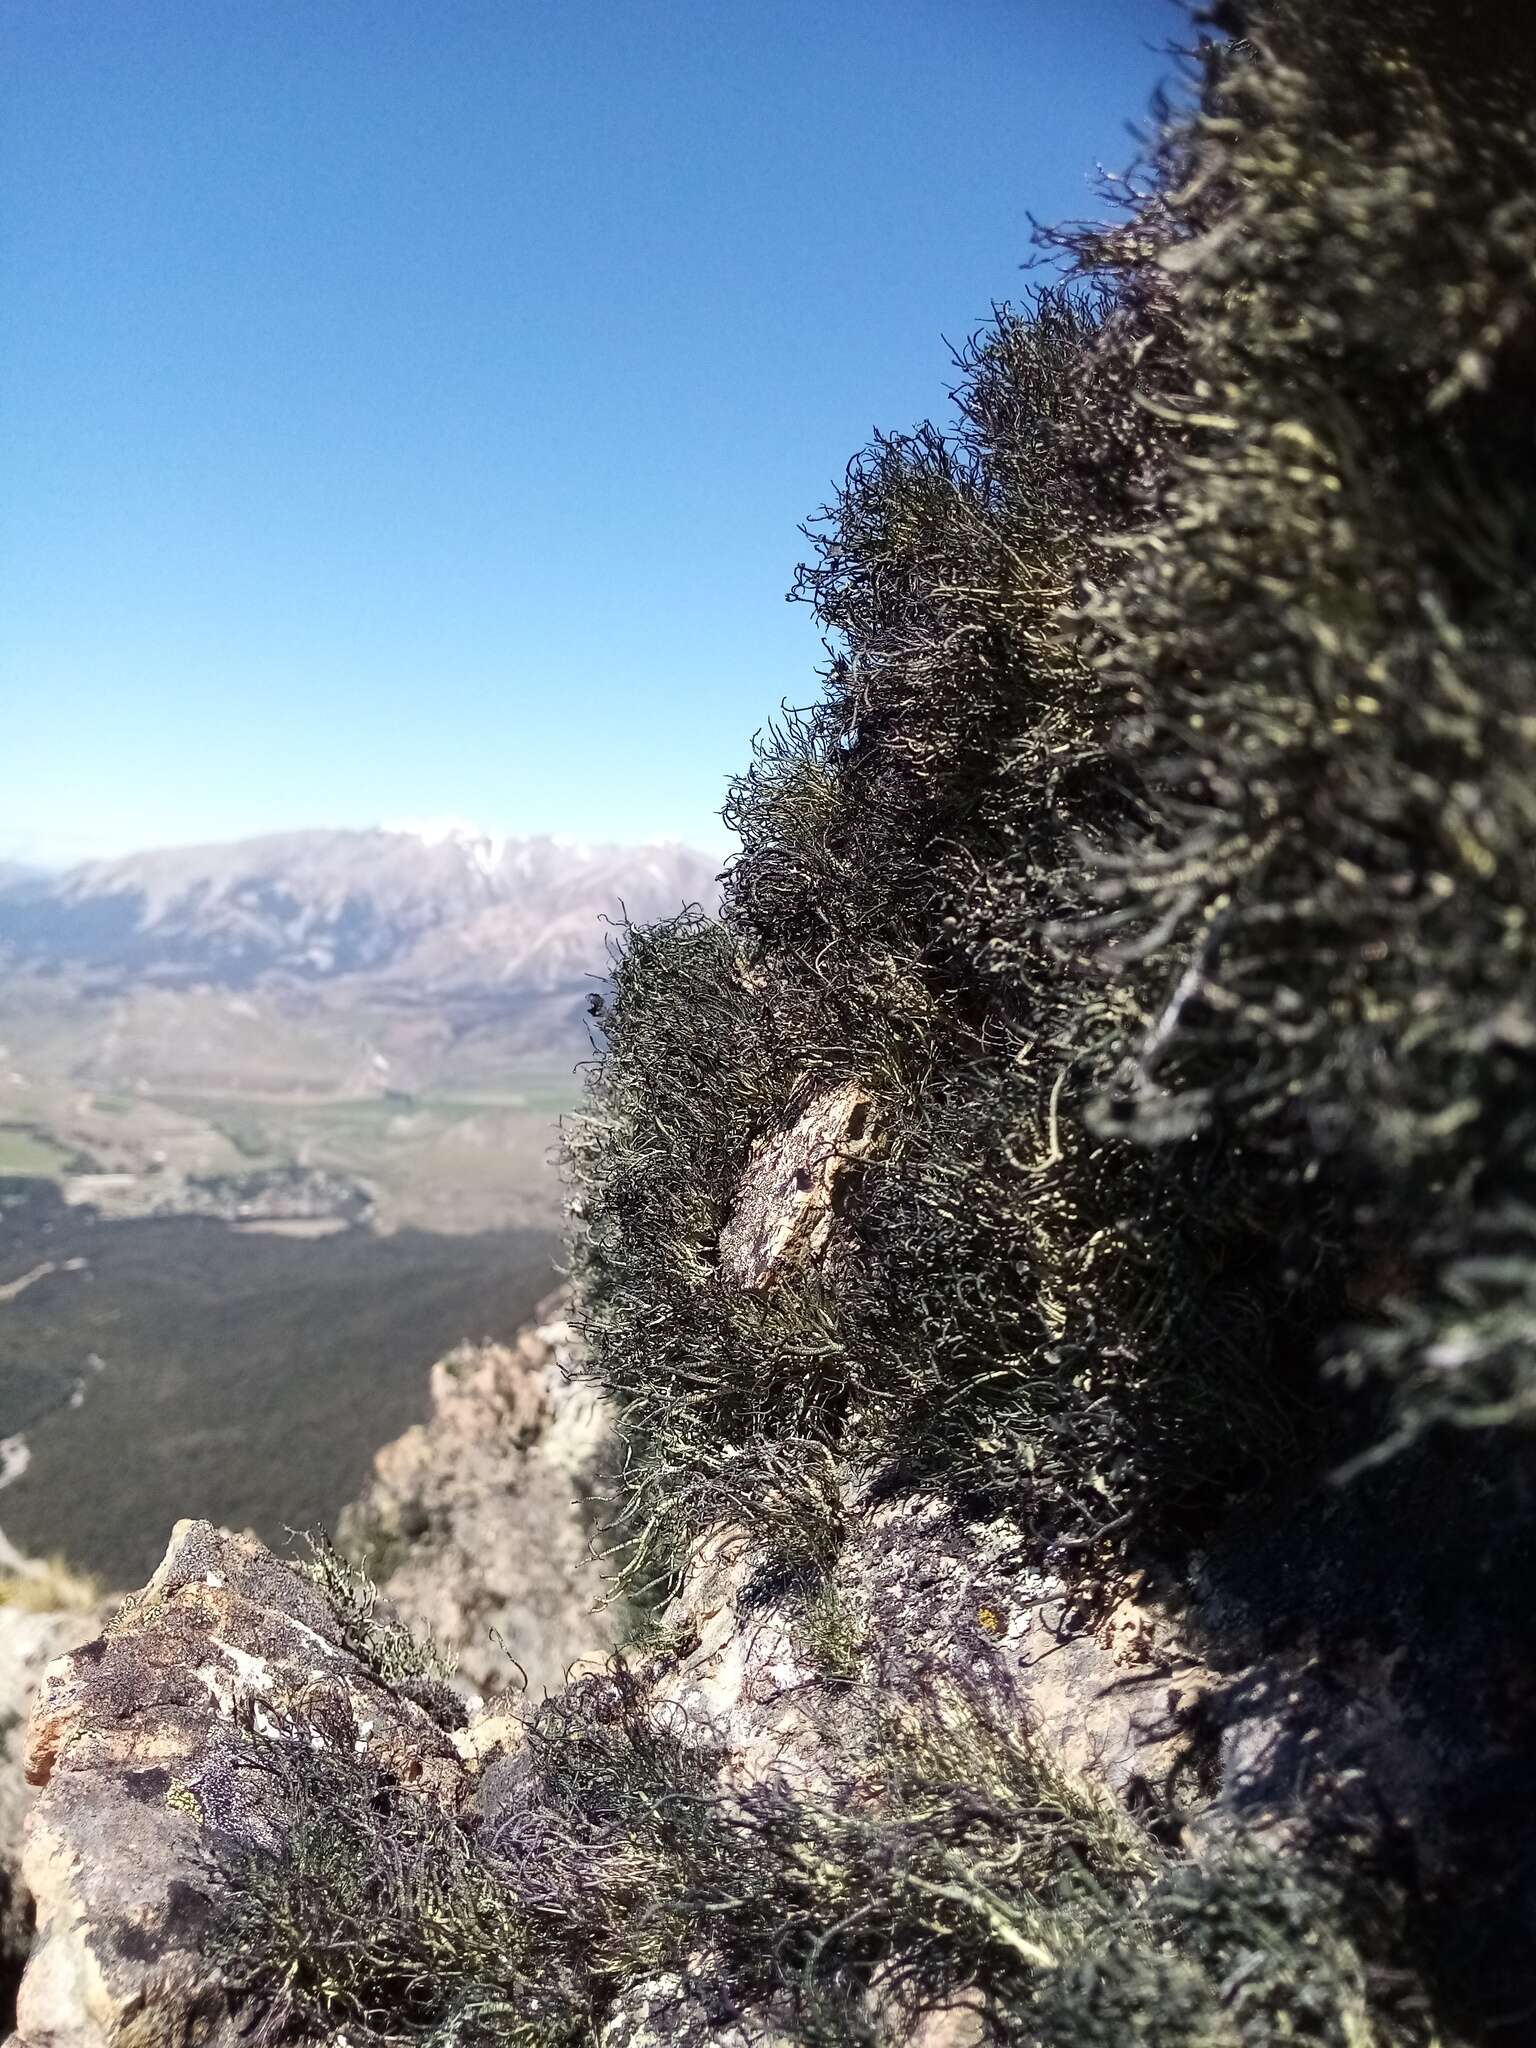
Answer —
(479, 1523)
(937, 1615)
(142, 1743)
(30, 1639)
(786, 1201)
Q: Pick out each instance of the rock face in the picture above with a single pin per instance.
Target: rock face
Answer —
(150, 1745)
(31, 1638)
(786, 1201)
(147, 1742)
(161, 1747)
(479, 1523)
(142, 1743)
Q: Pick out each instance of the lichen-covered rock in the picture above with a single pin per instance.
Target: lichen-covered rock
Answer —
(928, 1609)
(786, 1202)
(146, 1742)
(677, 2010)
(167, 1748)
(479, 1522)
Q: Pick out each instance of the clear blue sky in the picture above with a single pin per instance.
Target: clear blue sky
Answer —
(408, 406)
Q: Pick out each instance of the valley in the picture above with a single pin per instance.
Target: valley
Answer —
(278, 1126)
(129, 1100)
(241, 1375)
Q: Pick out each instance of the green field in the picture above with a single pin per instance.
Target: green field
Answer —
(447, 1110)
(459, 1161)
(245, 1376)
(27, 1154)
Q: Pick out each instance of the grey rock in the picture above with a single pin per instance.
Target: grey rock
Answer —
(784, 1209)
(60, 1613)
(141, 1741)
(479, 1523)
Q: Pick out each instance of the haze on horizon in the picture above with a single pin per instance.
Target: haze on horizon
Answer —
(410, 414)
(479, 845)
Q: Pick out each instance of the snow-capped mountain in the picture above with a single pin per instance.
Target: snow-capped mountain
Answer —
(425, 908)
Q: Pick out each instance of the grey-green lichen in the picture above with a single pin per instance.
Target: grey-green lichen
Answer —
(1158, 865)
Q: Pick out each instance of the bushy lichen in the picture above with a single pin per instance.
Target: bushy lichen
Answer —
(376, 1635)
(1321, 640)
(963, 1866)
(1157, 864)
(379, 1920)
(1157, 858)
(1034, 1310)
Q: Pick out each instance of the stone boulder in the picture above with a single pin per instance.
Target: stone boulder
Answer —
(45, 1614)
(146, 1745)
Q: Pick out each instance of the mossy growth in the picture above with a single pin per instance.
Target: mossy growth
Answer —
(1024, 1309)
(1321, 640)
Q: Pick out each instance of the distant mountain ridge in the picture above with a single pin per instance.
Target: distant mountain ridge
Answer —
(442, 910)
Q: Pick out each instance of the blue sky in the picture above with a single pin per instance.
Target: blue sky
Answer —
(408, 409)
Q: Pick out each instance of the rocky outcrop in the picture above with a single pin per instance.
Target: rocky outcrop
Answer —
(786, 1201)
(926, 1610)
(479, 1523)
(158, 1747)
(1195, 1716)
(46, 1615)
(147, 1743)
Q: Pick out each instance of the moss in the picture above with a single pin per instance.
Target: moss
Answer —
(1156, 858)
(182, 1799)
(1015, 1306)
(1320, 642)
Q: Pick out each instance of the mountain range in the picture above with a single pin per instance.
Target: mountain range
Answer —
(195, 1010)
(447, 911)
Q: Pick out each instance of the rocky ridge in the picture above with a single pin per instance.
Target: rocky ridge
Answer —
(479, 1523)
(453, 911)
(153, 1746)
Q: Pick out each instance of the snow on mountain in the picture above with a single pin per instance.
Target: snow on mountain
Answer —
(432, 906)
